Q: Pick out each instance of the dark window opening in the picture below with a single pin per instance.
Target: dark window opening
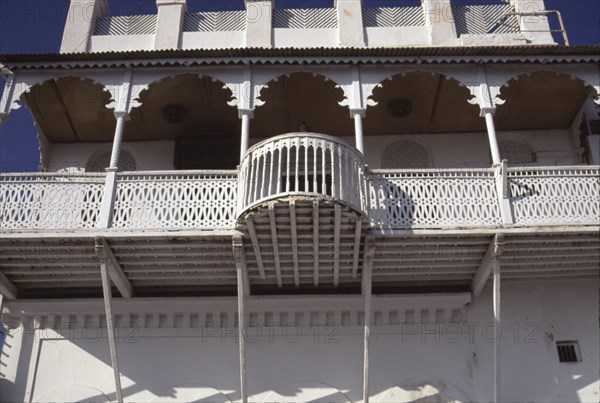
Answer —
(207, 152)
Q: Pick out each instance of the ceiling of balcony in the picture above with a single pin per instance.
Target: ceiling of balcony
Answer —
(74, 110)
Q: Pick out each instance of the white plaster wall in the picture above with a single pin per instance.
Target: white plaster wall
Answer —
(396, 36)
(311, 38)
(408, 361)
(112, 43)
(213, 40)
(149, 155)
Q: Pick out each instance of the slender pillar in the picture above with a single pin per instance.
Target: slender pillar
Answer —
(367, 288)
(488, 114)
(116, 149)
(112, 343)
(242, 292)
(245, 115)
(497, 323)
(358, 130)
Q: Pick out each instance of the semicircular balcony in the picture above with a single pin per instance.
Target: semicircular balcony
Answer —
(302, 205)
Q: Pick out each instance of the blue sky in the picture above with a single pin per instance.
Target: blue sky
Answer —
(35, 26)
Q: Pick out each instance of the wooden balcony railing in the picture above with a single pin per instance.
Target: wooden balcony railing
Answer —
(296, 166)
(302, 164)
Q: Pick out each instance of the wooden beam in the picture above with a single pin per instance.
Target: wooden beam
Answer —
(256, 247)
(114, 268)
(107, 292)
(357, 235)
(485, 267)
(316, 242)
(294, 234)
(275, 245)
(243, 290)
(336, 245)
(7, 287)
(367, 284)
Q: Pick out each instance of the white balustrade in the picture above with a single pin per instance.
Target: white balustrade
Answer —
(177, 199)
(50, 201)
(555, 195)
(301, 164)
(432, 198)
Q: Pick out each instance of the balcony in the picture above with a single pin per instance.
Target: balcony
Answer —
(305, 204)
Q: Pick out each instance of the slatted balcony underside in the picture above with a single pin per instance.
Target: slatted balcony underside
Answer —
(303, 244)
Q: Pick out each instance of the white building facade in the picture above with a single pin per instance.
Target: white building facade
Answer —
(386, 204)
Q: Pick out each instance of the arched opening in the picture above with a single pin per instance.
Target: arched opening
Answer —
(406, 154)
(19, 143)
(192, 111)
(301, 102)
(100, 160)
(422, 102)
(540, 101)
(516, 152)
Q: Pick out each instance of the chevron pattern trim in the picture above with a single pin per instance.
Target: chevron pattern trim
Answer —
(127, 25)
(305, 18)
(393, 17)
(215, 21)
(483, 19)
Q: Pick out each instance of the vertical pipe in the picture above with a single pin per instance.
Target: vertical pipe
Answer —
(242, 292)
(368, 258)
(116, 150)
(245, 136)
(497, 323)
(358, 132)
(491, 130)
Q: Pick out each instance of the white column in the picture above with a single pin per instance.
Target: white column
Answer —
(245, 115)
(116, 149)
(488, 114)
(242, 292)
(358, 129)
(497, 322)
(259, 23)
(350, 23)
(112, 343)
(80, 25)
(169, 25)
(367, 279)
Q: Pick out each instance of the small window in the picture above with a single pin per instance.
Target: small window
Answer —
(568, 351)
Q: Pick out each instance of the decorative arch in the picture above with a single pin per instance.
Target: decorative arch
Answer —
(406, 154)
(301, 101)
(542, 99)
(430, 102)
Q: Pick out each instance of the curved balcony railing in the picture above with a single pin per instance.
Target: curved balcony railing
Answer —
(302, 164)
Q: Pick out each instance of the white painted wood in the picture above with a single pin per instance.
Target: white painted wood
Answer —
(107, 292)
(497, 322)
(7, 288)
(488, 114)
(243, 291)
(275, 245)
(114, 269)
(245, 136)
(486, 266)
(358, 131)
(118, 140)
(256, 247)
(336, 245)
(357, 237)
(294, 235)
(316, 240)
(367, 280)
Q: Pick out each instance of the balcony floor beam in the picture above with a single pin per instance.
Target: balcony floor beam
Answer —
(256, 247)
(8, 288)
(275, 244)
(294, 235)
(486, 266)
(316, 242)
(115, 271)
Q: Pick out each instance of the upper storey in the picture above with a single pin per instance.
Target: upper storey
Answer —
(346, 23)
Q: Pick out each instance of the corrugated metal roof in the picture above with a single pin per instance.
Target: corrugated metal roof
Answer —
(239, 53)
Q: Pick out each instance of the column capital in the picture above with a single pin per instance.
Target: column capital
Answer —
(122, 114)
(487, 109)
(245, 112)
(362, 112)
